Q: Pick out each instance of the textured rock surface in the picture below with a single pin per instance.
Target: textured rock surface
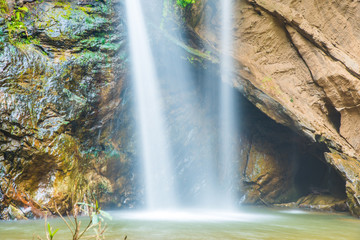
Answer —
(60, 96)
(299, 64)
(65, 105)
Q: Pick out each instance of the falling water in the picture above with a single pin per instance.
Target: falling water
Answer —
(227, 107)
(153, 140)
(178, 141)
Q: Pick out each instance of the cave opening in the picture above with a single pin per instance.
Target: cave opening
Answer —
(300, 161)
(314, 176)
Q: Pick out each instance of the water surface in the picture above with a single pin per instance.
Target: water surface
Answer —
(251, 223)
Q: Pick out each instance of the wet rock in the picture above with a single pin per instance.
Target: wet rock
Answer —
(62, 95)
(16, 214)
(59, 94)
(298, 63)
(318, 202)
(322, 203)
(63, 25)
(4, 214)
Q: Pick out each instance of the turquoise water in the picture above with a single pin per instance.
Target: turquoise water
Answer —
(252, 223)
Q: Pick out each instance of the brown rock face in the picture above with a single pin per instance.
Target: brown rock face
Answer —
(66, 127)
(60, 95)
(299, 64)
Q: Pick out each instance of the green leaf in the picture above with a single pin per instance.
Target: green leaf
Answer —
(49, 228)
(24, 9)
(55, 231)
(17, 16)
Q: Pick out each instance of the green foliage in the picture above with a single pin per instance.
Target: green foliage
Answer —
(184, 3)
(4, 8)
(73, 223)
(50, 232)
(14, 25)
(14, 28)
(20, 13)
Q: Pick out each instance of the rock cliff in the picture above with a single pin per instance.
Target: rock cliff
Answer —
(61, 96)
(66, 127)
(298, 63)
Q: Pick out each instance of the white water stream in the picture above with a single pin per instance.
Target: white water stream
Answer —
(150, 118)
(227, 118)
(194, 171)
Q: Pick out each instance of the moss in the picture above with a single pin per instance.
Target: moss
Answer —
(93, 43)
(87, 58)
(70, 22)
(111, 47)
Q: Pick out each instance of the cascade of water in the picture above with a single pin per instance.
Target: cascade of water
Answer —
(155, 154)
(197, 170)
(194, 180)
(227, 107)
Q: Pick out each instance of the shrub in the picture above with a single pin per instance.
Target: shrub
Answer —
(184, 3)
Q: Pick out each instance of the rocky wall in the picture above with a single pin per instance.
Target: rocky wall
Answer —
(298, 63)
(62, 92)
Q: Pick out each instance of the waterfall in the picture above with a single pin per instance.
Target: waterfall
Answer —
(153, 141)
(228, 111)
(184, 165)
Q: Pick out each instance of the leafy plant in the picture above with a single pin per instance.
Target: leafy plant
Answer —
(19, 13)
(4, 8)
(74, 225)
(184, 3)
(96, 217)
(15, 24)
(50, 232)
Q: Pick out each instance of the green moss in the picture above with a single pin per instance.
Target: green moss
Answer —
(93, 42)
(23, 43)
(72, 23)
(110, 46)
(104, 8)
(87, 57)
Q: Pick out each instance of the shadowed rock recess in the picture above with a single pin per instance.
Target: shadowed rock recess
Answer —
(66, 124)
